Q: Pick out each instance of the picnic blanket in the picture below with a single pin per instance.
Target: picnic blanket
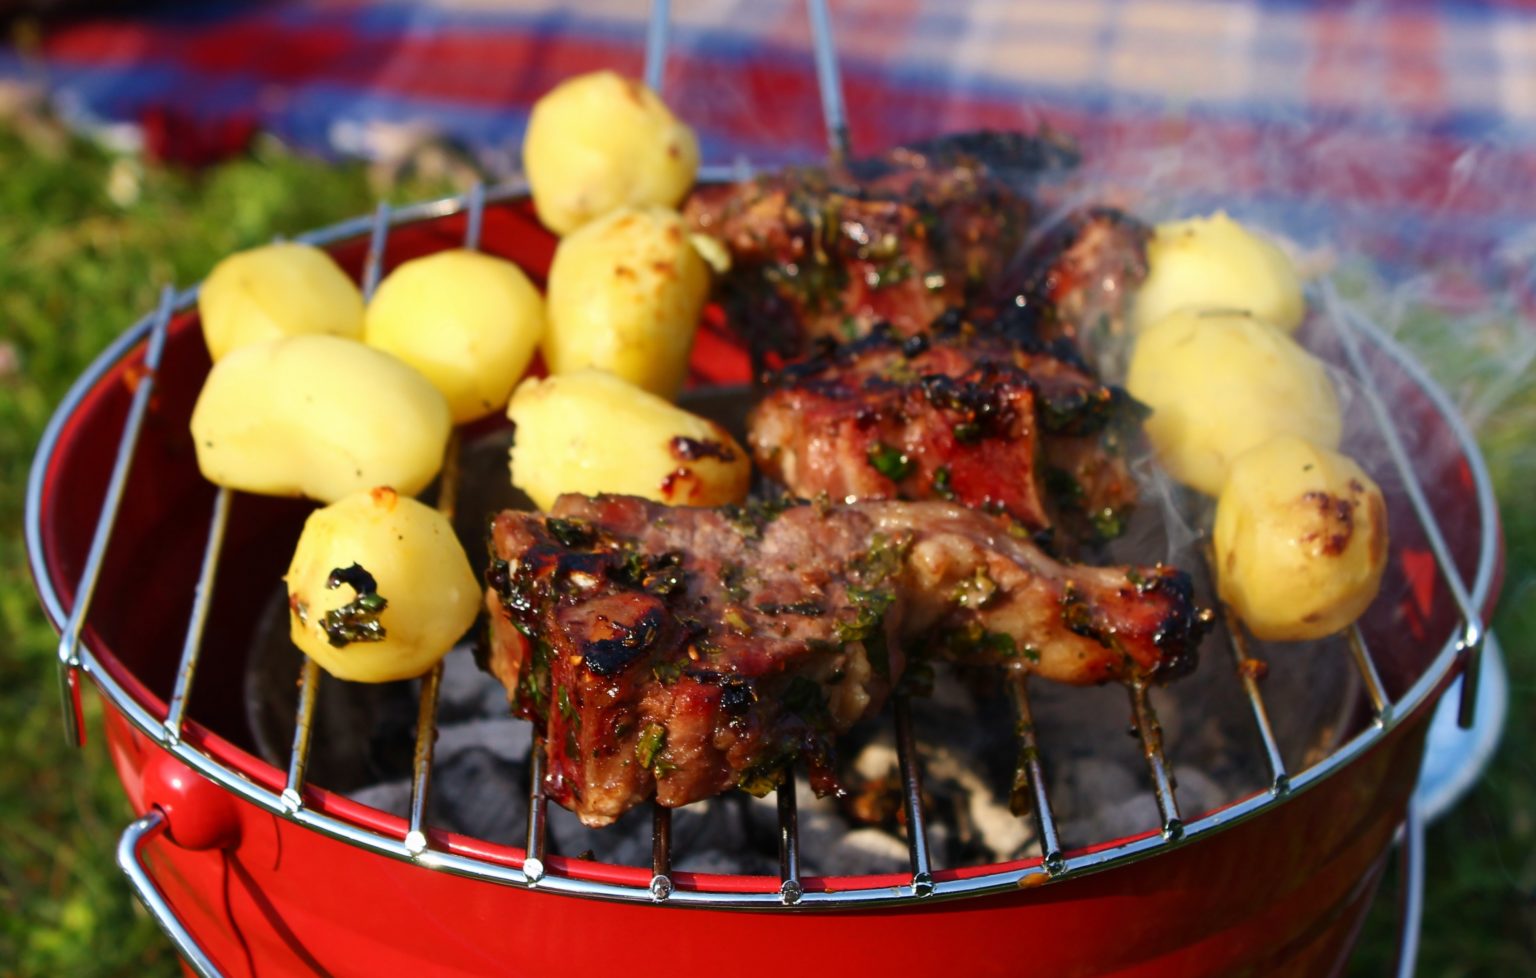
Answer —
(1405, 131)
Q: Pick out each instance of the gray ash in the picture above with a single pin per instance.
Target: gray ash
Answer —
(1096, 776)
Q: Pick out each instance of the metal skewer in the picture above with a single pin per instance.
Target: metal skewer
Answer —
(661, 851)
(912, 799)
(533, 862)
(447, 503)
(1247, 674)
(1029, 784)
(298, 757)
(657, 29)
(829, 80)
(790, 888)
(1150, 730)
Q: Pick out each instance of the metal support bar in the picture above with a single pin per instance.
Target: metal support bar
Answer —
(474, 216)
(1150, 730)
(790, 889)
(378, 237)
(1029, 778)
(202, 598)
(117, 484)
(1381, 703)
(912, 798)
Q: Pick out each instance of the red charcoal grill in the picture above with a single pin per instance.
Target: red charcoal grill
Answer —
(251, 864)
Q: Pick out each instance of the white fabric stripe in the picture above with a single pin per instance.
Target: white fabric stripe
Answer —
(1514, 41)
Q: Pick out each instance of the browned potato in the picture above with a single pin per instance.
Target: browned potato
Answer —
(625, 295)
(590, 432)
(1300, 539)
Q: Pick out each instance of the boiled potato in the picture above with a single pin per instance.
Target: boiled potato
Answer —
(1216, 263)
(318, 416)
(625, 294)
(283, 289)
(1220, 383)
(599, 141)
(1301, 540)
(590, 432)
(379, 587)
(469, 322)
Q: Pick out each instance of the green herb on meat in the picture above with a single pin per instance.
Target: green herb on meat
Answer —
(571, 533)
(941, 484)
(650, 743)
(890, 462)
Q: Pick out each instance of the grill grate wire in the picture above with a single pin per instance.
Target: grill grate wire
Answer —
(1031, 786)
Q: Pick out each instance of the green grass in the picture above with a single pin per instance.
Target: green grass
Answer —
(85, 242)
(76, 266)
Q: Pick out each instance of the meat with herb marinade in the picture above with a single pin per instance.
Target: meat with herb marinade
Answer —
(1075, 282)
(679, 652)
(999, 421)
(826, 253)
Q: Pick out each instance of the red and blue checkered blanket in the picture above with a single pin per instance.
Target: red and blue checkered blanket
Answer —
(1405, 131)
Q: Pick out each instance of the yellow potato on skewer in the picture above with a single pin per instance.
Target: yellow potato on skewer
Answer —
(469, 322)
(598, 142)
(379, 588)
(1220, 383)
(1300, 540)
(277, 290)
(1216, 263)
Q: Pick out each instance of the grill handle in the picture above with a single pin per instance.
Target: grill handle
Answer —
(151, 825)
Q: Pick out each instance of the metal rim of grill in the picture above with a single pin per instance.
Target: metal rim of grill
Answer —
(1353, 332)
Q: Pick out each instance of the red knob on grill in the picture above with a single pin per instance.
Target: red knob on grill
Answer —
(198, 814)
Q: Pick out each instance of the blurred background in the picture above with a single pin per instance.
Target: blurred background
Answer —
(1394, 143)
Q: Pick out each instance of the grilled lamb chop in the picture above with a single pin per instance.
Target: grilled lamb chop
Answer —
(897, 238)
(994, 420)
(681, 652)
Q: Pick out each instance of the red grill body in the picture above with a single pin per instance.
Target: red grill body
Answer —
(1282, 892)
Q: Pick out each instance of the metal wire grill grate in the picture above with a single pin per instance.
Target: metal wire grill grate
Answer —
(415, 845)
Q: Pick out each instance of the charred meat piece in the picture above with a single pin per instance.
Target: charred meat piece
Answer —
(681, 652)
(897, 238)
(1001, 422)
(1075, 283)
